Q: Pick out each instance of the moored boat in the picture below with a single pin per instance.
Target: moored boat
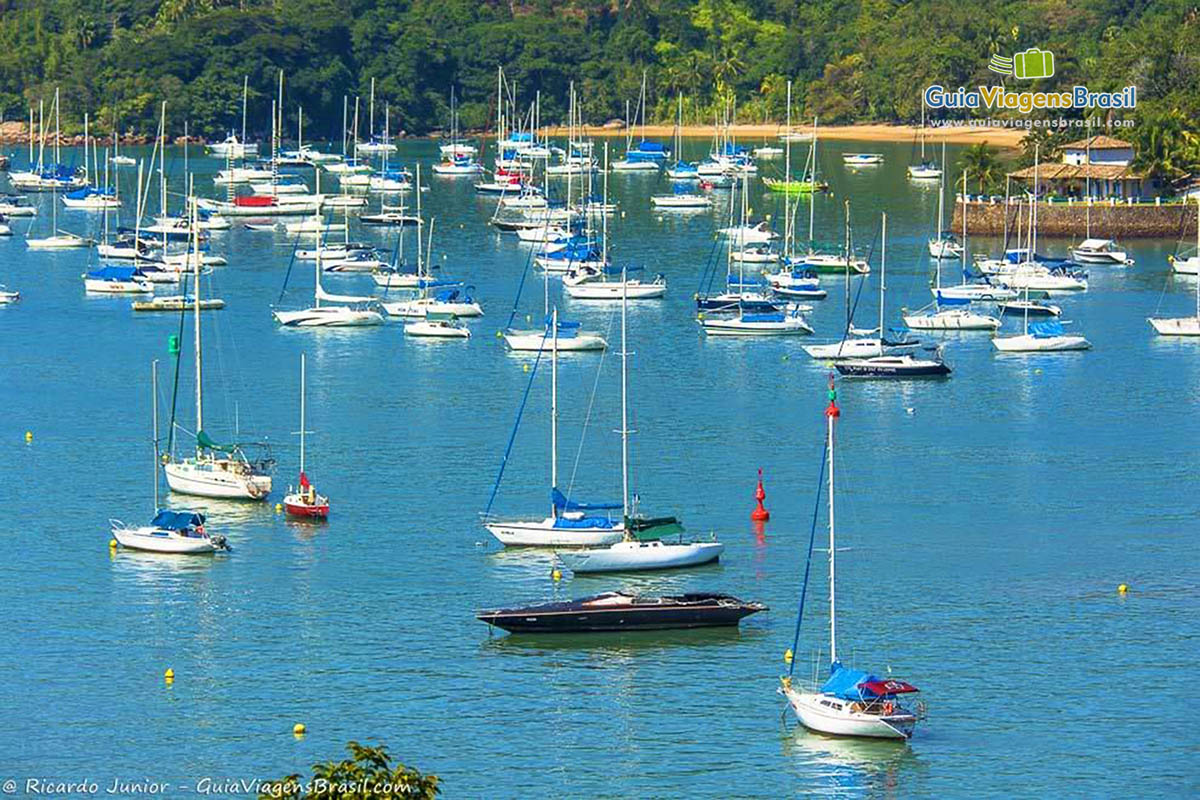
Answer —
(619, 611)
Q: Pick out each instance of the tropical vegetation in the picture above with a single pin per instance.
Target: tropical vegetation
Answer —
(367, 775)
(851, 60)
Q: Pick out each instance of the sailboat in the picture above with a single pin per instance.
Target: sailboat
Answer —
(949, 313)
(681, 170)
(945, 245)
(744, 312)
(216, 470)
(1191, 264)
(585, 281)
(233, 147)
(1040, 337)
(808, 183)
(304, 502)
(374, 146)
(180, 532)
(857, 343)
(849, 702)
(353, 313)
(926, 170)
(459, 158)
(794, 280)
(646, 156)
(569, 524)
(631, 553)
(1179, 326)
(889, 365)
(439, 297)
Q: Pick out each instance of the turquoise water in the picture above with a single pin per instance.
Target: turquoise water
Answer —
(986, 532)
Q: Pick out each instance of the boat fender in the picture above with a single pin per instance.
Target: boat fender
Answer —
(888, 708)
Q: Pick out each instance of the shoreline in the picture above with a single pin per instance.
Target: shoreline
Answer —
(864, 132)
(14, 133)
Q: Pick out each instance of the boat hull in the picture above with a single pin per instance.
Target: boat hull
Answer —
(817, 717)
(720, 611)
(1177, 326)
(186, 477)
(533, 341)
(159, 540)
(641, 556)
(542, 533)
(896, 369)
(1031, 344)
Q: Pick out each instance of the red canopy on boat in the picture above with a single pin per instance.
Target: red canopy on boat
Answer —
(254, 200)
(303, 481)
(880, 688)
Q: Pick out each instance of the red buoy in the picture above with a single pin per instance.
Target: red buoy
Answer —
(760, 514)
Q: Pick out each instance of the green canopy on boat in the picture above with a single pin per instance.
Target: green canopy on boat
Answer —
(203, 441)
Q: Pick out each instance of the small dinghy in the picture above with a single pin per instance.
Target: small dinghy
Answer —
(169, 532)
(632, 555)
(614, 612)
(7, 295)
(862, 159)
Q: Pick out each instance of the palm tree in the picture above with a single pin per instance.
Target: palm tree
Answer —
(983, 164)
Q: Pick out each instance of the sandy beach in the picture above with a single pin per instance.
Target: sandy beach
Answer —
(748, 134)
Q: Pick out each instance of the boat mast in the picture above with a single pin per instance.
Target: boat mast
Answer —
(789, 233)
(195, 255)
(624, 405)
(846, 256)
(962, 258)
(830, 415)
(302, 385)
(882, 276)
(154, 416)
(942, 196)
(812, 203)
(371, 113)
(245, 92)
(553, 405)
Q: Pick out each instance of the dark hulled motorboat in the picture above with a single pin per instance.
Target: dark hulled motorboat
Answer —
(619, 611)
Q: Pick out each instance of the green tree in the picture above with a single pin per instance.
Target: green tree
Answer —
(366, 775)
(983, 166)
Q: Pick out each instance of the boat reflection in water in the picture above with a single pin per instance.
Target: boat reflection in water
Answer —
(839, 767)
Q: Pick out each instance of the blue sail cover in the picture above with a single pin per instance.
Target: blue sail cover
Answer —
(777, 317)
(942, 300)
(177, 520)
(855, 684)
(445, 295)
(1046, 330)
(563, 503)
(113, 273)
(584, 523)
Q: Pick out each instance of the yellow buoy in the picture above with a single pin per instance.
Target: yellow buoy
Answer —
(1122, 589)
(298, 729)
(112, 544)
(278, 507)
(169, 675)
(555, 574)
(526, 367)
(787, 656)
(29, 436)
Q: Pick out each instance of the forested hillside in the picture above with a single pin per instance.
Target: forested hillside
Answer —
(853, 60)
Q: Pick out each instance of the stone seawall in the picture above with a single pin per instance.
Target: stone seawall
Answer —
(1120, 221)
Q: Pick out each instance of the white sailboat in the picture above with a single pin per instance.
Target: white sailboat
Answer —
(1179, 326)
(944, 244)
(181, 532)
(949, 314)
(1191, 264)
(569, 523)
(594, 282)
(221, 471)
(433, 296)
(630, 553)
(849, 702)
(857, 342)
(926, 170)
